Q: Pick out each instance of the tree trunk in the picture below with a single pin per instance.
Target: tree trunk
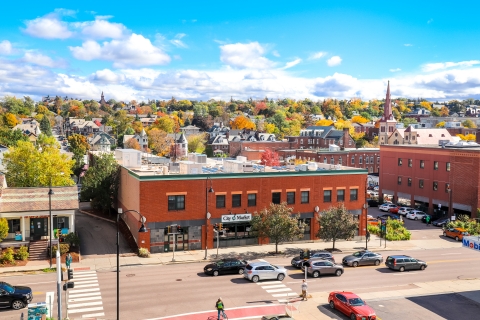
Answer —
(276, 247)
(333, 243)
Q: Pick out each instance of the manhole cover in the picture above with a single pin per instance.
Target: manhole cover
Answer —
(131, 275)
(179, 280)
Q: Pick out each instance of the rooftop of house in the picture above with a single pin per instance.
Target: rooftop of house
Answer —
(36, 199)
(452, 145)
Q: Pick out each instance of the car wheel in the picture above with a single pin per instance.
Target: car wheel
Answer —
(316, 274)
(17, 305)
(338, 273)
(255, 278)
(353, 316)
(444, 234)
(215, 273)
(280, 277)
(355, 264)
(456, 239)
(401, 269)
(416, 218)
(422, 267)
(241, 271)
(332, 304)
(377, 262)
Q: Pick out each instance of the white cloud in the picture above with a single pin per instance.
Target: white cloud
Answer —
(40, 59)
(395, 70)
(275, 53)
(101, 29)
(445, 65)
(334, 61)
(48, 27)
(245, 55)
(177, 41)
(317, 55)
(408, 45)
(107, 76)
(292, 63)
(5, 47)
(134, 50)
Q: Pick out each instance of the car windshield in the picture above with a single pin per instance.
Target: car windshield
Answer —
(220, 263)
(7, 287)
(356, 302)
(357, 254)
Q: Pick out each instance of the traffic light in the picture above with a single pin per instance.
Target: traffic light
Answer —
(220, 226)
(308, 254)
(61, 276)
(215, 226)
(68, 285)
(169, 229)
(70, 274)
(302, 255)
(179, 229)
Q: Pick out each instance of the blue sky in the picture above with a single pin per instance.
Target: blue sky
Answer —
(218, 49)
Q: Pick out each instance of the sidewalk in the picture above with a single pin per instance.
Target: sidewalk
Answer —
(247, 253)
(310, 309)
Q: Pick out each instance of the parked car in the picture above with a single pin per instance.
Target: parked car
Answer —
(440, 222)
(362, 258)
(257, 271)
(225, 266)
(376, 188)
(404, 210)
(15, 297)
(415, 215)
(402, 263)
(297, 262)
(394, 209)
(351, 305)
(372, 203)
(389, 216)
(455, 233)
(372, 221)
(386, 206)
(318, 267)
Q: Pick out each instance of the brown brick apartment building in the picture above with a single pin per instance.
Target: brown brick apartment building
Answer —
(432, 175)
(181, 199)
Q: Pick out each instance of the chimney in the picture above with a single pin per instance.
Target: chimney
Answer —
(227, 134)
(346, 137)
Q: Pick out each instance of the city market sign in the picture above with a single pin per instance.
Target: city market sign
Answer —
(229, 218)
(471, 243)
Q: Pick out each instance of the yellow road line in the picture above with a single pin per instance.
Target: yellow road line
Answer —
(38, 292)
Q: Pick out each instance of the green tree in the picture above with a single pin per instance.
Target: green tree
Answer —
(277, 223)
(196, 143)
(10, 138)
(3, 228)
(409, 121)
(79, 146)
(101, 182)
(336, 223)
(28, 166)
(45, 126)
(469, 124)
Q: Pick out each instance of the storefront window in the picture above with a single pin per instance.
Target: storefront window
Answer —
(306, 224)
(236, 231)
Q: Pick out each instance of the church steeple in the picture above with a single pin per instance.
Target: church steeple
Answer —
(387, 108)
(102, 100)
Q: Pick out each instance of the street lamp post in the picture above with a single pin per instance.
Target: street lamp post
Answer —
(207, 214)
(142, 229)
(50, 193)
(450, 204)
(365, 206)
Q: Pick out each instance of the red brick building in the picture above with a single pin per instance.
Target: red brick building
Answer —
(181, 199)
(253, 149)
(431, 175)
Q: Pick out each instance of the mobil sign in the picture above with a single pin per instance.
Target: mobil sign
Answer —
(471, 242)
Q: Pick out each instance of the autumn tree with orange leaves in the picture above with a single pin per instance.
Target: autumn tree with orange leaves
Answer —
(242, 122)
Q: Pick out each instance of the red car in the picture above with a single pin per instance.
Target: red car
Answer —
(351, 305)
(394, 209)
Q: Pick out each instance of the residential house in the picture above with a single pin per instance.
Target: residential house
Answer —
(30, 128)
(142, 139)
(317, 137)
(102, 142)
(189, 130)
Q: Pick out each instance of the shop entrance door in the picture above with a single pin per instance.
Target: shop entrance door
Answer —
(38, 228)
(179, 239)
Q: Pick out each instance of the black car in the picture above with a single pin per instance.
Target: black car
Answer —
(440, 222)
(402, 263)
(387, 216)
(297, 262)
(15, 297)
(362, 258)
(225, 266)
(372, 203)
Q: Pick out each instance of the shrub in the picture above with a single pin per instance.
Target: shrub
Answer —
(395, 230)
(64, 248)
(22, 253)
(3, 228)
(8, 256)
(72, 239)
(143, 253)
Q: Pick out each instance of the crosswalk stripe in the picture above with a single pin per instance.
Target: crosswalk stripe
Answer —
(85, 272)
(86, 281)
(93, 315)
(83, 290)
(290, 294)
(84, 304)
(85, 278)
(274, 286)
(279, 290)
(87, 285)
(268, 282)
(84, 299)
(79, 295)
(85, 310)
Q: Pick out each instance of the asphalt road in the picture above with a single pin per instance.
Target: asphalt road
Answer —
(155, 291)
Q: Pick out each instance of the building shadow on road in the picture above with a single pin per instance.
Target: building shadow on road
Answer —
(464, 305)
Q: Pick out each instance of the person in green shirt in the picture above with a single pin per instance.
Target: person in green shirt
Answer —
(220, 308)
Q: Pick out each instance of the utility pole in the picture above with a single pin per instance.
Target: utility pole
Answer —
(59, 283)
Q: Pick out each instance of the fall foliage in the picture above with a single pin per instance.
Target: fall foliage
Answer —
(242, 122)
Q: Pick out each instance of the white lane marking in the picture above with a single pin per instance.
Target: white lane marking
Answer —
(290, 294)
(405, 273)
(279, 290)
(86, 281)
(274, 286)
(79, 295)
(82, 278)
(87, 285)
(85, 299)
(85, 310)
(85, 304)
(84, 290)
(85, 272)
(268, 282)
(447, 254)
(93, 315)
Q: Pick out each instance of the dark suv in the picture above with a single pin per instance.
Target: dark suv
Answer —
(15, 297)
(402, 263)
(297, 262)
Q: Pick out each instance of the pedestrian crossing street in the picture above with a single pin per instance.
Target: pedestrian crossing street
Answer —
(278, 290)
(85, 299)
